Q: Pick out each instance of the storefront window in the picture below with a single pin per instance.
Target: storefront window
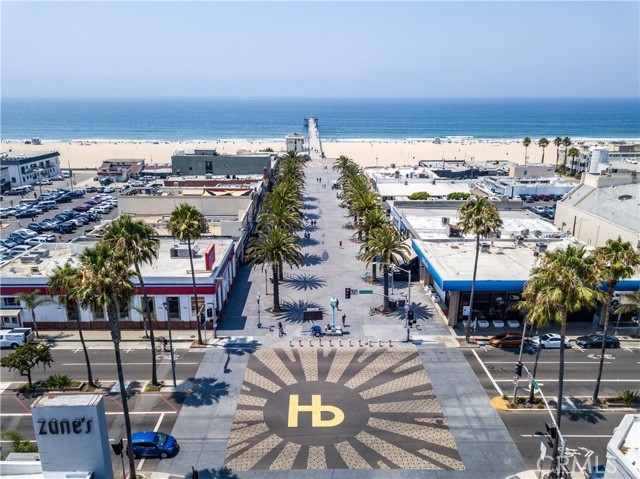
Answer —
(173, 308)
(193, 305)
(98, 313)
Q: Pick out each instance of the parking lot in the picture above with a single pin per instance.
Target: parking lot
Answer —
(42, 206)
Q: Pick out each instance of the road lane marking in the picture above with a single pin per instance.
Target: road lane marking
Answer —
(126, 364)
(118, 413)
(488, 373)
(155, 429)
(542, 362)
(578, 380)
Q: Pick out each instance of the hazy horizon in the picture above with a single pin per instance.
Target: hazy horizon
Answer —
(321, 50)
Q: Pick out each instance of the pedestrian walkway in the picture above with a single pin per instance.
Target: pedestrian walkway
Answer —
(330, 265)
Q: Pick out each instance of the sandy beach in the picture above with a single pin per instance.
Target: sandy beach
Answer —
(90, 154)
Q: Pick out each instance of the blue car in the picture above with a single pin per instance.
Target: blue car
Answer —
(154, 444)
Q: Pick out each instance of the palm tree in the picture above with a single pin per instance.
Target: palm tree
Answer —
(564, 282)
(573, 152)
(537, 314)
(61, 284)
(140, 243)
(272, 249)
(105, 282)
(543, 143)
(566, 142)
(557, 142)
(188, 224)
(31, 301)
(526, 142)
(616, 260)
(479, 217)
(385, 245)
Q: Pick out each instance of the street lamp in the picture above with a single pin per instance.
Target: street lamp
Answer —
(334, 305)
(407, 306)
(215, 319)
(173, 362)
(258, 301)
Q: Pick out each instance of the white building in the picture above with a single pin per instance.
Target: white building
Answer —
(168, 283)
(295, 142)
(27, 169)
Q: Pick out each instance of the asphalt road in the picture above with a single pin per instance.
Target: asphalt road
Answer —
(587, 430)
(149, 411)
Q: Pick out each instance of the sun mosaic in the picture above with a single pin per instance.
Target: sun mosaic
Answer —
(339, 409)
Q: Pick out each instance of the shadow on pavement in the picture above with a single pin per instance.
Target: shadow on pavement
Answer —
(213, 473)
(308, 242)
(238, 349)
(305, 281)
(294, 311)
(205, 392)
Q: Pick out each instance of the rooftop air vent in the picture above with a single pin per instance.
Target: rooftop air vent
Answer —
(624, 197)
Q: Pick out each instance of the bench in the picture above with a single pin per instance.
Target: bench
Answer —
(337, 332)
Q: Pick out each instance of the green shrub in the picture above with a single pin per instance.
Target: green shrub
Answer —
(629, 397)
(419, 195)
(18, 442)
(59, 381)
(458, 195)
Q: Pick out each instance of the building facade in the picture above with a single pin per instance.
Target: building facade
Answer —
(27, 169)
(202, 162)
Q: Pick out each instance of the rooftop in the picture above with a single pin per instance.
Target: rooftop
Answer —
(428, 223)
(619, 204)
(41, 260)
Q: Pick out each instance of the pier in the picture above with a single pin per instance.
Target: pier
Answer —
(315, 146)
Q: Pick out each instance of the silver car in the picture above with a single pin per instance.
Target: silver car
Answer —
(549, 341)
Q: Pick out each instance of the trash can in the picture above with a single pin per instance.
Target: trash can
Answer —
(401, 303)
(393, 303)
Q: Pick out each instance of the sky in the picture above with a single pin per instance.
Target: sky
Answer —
(317, 49)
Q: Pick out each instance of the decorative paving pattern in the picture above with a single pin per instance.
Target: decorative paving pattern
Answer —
(339, 409)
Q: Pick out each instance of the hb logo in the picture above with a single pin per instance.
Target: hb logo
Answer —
(316, 409)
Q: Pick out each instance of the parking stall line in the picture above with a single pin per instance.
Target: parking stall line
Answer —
(155, 429)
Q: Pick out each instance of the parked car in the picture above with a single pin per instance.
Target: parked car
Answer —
(40, 240)
(154, 444)
(549, 341)
(83, 207)
(109, 189)
(22, 248)
(24, 233)
(57, 178)
(91, 189)
(7, 243)
(595, 341)
(510, 339)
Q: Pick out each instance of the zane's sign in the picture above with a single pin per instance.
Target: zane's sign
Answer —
(64, 426)
(210, 257)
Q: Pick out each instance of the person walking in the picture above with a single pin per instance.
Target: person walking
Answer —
(344, 320)
(340, 243)
(281, 330)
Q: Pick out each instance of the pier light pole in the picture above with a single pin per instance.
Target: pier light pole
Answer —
(258, 303)
(334, 304)
(173, 361)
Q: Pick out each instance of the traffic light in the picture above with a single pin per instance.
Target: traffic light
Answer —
(519, 369)
(347, 293)
(117, 447)
(552, 430)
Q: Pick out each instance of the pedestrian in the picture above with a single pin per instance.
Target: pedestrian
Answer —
(281, 330)
(338, 304)
(344, 320)
(340, 243)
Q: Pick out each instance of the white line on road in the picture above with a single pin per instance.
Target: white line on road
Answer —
(500, 393)
(136, 413)
(113, 364)
(155, 429)
(577, 380)
(544, 362)
(564, 435)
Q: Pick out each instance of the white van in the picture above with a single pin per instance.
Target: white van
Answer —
(15, 337)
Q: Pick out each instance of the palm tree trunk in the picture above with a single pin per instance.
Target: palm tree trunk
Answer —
(542, 156)
(473, 289)
(374, 276)
(86, 355)
(556, 443)
(154, 374)
(281, 271)
(35, 324)
(114, 324)
(276, 289)
(385, 276)
(611, 287)
(195, 292)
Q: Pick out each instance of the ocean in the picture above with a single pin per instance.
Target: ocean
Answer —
(339, 119)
